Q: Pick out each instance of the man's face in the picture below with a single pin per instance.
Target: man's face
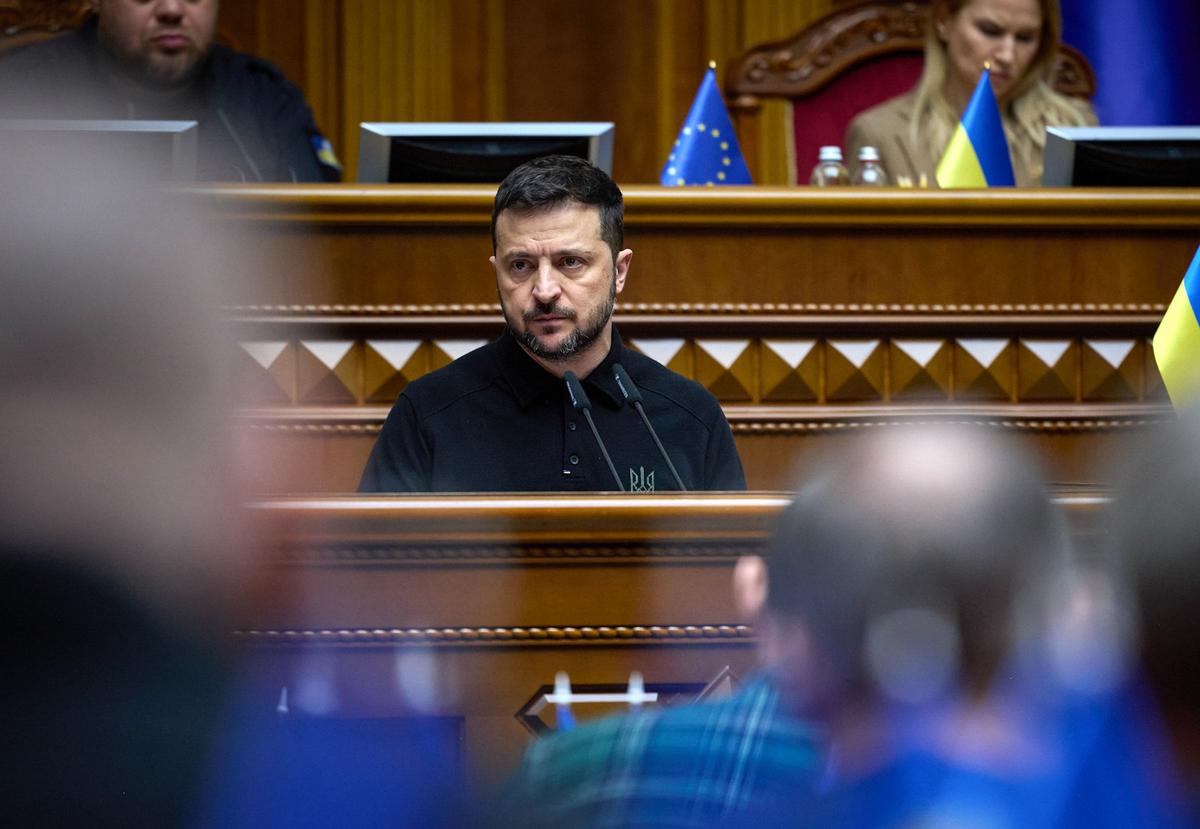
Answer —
(557, 279)
(162, 41)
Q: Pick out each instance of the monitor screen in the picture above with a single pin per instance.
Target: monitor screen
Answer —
(1122, 157)
(162, 150)
(473, 153)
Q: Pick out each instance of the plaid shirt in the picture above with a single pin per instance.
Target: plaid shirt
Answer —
(739, 760)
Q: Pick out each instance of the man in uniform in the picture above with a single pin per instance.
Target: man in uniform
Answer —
(501, 418)
(156, 60)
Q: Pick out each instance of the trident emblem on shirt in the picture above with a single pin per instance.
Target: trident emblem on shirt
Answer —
(639, 481)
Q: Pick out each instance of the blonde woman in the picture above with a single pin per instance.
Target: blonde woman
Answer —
(1020, 39)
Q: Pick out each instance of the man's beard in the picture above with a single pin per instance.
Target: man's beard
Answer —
(575, 342)
(160, 76)
(171, 75)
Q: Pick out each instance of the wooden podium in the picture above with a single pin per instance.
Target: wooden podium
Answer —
(467, 606)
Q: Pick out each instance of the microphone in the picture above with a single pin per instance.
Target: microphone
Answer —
(633, 395)
(579, 400)
(238, 141)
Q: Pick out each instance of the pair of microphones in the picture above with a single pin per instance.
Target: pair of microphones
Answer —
(633, 396)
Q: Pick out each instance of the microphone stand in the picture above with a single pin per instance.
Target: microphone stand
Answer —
(634, 396)
(579, 400)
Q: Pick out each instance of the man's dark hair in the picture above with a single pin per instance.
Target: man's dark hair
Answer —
(554, 180)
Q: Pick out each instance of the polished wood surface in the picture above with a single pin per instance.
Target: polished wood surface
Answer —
(487, 597)
(413, 250)
(809, 314)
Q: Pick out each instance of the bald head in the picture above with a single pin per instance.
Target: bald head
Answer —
(927, 538)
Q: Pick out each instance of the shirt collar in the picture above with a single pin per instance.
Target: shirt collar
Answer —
(529, 381)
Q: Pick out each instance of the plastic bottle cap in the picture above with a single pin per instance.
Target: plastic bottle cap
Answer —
(831, 154)
(868, 154)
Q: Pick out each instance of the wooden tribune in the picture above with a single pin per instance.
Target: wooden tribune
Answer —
(808, 313)
(466, 607)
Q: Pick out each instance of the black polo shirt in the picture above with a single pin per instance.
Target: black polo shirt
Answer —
(496, 421)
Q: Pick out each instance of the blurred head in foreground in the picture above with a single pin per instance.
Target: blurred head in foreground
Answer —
(899, 569)
(117, 542)
(1156, 542)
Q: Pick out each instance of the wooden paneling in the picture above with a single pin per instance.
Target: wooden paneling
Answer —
(765, 139)
(304, 363)
(635, 62)
(791, 251)
(809, 314)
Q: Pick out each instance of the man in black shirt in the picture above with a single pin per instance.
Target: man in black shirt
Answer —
(501, 419)
(156, 60)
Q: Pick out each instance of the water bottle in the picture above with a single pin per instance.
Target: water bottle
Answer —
(830, 171)
(870, 171)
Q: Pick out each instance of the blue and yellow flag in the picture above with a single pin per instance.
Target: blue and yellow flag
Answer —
(977, 155)
(706, 151)
(1177, 340)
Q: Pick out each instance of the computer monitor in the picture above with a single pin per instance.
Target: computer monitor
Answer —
(161, 150)
(473, 153)
(1122, 157)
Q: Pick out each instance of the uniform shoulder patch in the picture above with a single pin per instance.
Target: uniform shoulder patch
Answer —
(325, 153)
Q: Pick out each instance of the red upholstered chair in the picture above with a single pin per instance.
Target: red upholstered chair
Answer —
(846, 62)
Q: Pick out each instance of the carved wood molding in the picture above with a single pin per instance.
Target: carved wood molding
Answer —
(624, 635)
(763, 420)
(804, 63)
(18, 17)
(1042, 426)
(389, 554)
(904, 313)
(800, 65)
(325, 428)
(1073, 74)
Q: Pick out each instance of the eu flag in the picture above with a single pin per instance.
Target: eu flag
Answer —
(1177, 340)
(977, 155)
(706, 151)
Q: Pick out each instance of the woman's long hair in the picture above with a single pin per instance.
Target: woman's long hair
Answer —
(1029, 107)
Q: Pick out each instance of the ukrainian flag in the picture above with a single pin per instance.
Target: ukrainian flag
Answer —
(706, 151)
(977, 155)
(1177, 340)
